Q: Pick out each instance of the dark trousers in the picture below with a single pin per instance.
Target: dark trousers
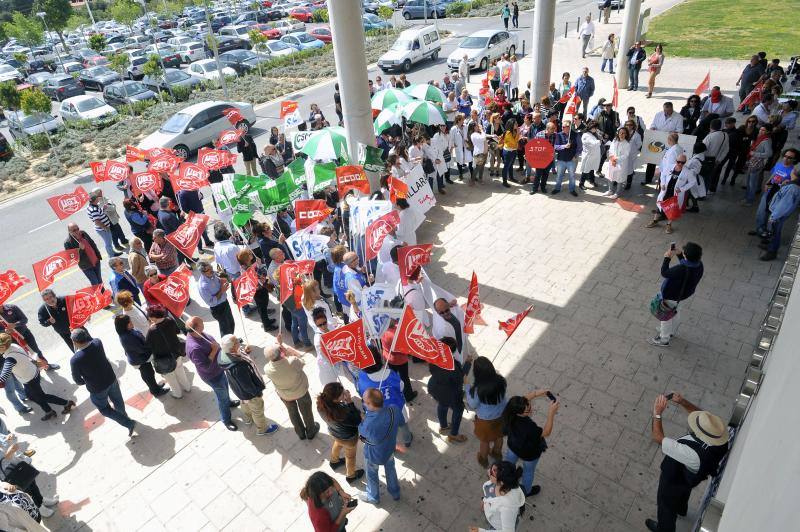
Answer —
(633, 77)
(649, 173)
(540, 181)
(222, 313)
(149, 377)
(30, 340)
(33, 389)
(35, 493)
(93, 274)
(118, 236)
(261, 299)
(402, 370)
(67, 340)
(301, 415)
(587, 176)
(455, 423)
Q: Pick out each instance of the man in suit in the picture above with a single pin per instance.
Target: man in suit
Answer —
(121, 279)
(636, 57)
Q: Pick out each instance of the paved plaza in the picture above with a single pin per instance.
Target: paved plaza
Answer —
(589, 268)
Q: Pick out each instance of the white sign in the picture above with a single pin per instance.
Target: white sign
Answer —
(305, 245)
(375, 309)
(654, 145)
(420, 196)
(299, 139)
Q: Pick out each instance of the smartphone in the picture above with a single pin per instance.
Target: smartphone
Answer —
(551, 396)
(352, 503)
(669, 396)
(672, 246)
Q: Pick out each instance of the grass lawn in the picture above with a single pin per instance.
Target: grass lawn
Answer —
(728, 29)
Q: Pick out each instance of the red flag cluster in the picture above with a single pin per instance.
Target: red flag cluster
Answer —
(164, 164)
(146, 182)
(397, 189)
(10, 281)
(85, 302)
(409, 258)
(109, 170)
(65, 205)
(412, 339)
(215, 159)
(173, 292)
(377, 232)
(473, 308)
(233, 115)
(46, 269)
(245, 286)
(229, 136)
(190, 176)
(348, 344)
(309, 212)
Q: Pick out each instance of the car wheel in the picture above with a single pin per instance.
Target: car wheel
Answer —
(181, 151)
(407, 65)
(484, 63)
(511, 50)
(407, 15)
(435, 55)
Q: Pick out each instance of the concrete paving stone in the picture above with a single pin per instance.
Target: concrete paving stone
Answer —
(575, 511)
(634, 417)
(643, 507)
(602, 430)
(153, 525)
(188, 519)
(568, 388)
(609, 523)
(625, 389)
(636, 446)
(223, 508)
(570, 413)
(540, 376)
(206, 488)
(592, 354)
(710, 379)
(611, 497)
(640, 477)
(596, 377)
(620, 365)
(736, 315)
(260, 493)
(169, 503)
(599, 402)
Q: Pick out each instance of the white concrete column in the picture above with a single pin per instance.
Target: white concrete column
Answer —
(351, 74)
(544, 20)
(627, 36)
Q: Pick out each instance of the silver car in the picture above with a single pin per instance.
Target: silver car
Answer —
(482, 47)
(21, 125)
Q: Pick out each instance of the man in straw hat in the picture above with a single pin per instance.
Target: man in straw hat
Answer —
(688, 461)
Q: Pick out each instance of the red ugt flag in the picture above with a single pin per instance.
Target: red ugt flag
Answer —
(190, 177)
(245, 286)
(308, 212)
(164, 164)
(412, 339)
(215, 159)
(173, 292)
(229, 136)
(348, 344)
(158, 151)
(98, 171)
(10, 281)
(409, 257)
(377, 232)
(351, 177)
(233, 115)
(704, 85)
(116, 170)
(567, 95)
(46, 269)
(85, 302)
(397, 189)
(146, 182)
(186, 237)
(509, 326)
(473, 307)
(65, 205)
(291, 280)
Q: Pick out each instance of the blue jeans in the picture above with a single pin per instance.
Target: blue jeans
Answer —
(753, 177)
(105, 234)
(761, 213)
(455, 423)
(300, 327)
(373, 486)
(528, 469)
(15, 393)
(633, 77)
(508, 164)
(610, 63)
(220, 388)
(561, 167)
(93, 274)
(117, 413)
(404, 433)
(775, 241)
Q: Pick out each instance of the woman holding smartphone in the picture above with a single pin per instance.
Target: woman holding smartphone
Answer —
(328, 504)
(526, 440)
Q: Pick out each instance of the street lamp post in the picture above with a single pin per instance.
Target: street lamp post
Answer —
(89, 9)
(41, 15)
(212, 42)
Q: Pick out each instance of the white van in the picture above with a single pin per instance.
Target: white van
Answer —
(412, 46)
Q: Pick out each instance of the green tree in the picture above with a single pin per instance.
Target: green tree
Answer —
(34, 101)
(9, 95)
(154, 68)
(75, 20)
(125, 12)
(21, 57)
(26, 30)
(321, 15)
(385, 12)
(57, 13)
(259, 41)
(97, 42)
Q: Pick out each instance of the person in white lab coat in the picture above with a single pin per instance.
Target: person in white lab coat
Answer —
(410, 220)
(441, 147)
(616, 165)
(697, 188)
(633, 155)
(673, 183)
(591, 148)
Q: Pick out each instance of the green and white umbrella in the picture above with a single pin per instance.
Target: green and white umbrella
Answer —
(424, 91)
(423, 113)
(388, 118)
(387, 97)
(327, 144)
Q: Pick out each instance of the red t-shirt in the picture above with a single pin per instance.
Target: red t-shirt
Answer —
(394, 357)
(88, 249)
(321, 518)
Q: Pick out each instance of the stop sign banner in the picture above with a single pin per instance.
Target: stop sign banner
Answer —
(539, 153)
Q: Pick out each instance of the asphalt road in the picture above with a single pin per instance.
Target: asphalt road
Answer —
(31, 230)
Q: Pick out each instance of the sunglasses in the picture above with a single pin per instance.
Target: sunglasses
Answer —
(443, 312)
(680, 162)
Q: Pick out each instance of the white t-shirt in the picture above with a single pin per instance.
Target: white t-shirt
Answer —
(682, 453)
(478, 143)
(588, 29)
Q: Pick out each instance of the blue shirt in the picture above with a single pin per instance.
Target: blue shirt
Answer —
(484, 411)
(391, 387)
(780, 173)
(209, 287)
(189, 200)
(584, 87)
(339, 285)
(379, 432)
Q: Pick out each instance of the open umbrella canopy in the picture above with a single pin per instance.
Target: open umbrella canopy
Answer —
(327, 144)
(387, 97)
(423, 113)
(424, 91)
(388, 118)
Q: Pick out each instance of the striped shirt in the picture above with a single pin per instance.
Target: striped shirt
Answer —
(97, 215)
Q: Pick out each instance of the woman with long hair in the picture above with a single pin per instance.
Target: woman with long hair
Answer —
(246, 259)
(525, 438)
(487, 397)
(168, 350)
(502, 497)
(135, 313)
(590, 154)
(447, 389)
(462, 154)
(691, 113)
(336, 407)
(635, 142)
(746, 134)
(654, 64)
(510, 143)
(494, 131)
(327, 503)
(616, 167)
(540, 178)
(757, 157)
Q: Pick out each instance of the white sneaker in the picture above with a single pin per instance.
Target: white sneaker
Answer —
(50, 501)
(44, 511)
(613, 196)
(607, 193)
(658, 341)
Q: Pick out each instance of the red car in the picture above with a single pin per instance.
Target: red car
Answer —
(266, 3)
(302, 14)
(269, 32)
(323, 33)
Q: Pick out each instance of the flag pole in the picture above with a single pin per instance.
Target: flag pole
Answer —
(500, 349)
(244, 327)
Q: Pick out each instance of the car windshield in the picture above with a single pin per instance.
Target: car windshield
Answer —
(6, 68)
(99, 71)
(64, 81)
(35, 119)
(176, 75)
(369, 17)
(474, 42)
(304, 37)
(208, 67)
(88, 105)
(133, 88)
(401, 46)
(176, 123)
(166, 50)
(277, 46)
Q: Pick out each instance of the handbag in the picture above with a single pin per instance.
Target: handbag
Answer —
(671, 209)
(21, 474)
(164, 364)
(659, 308)
(427, 166)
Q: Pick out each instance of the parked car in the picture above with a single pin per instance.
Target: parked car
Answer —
(72, 67)
(482, 47)
(225, 44)
(374, 22)
(417, 9)
(207, 69)
(38, 79)
(135, 68)
(240, 31)
(242, 61)
(302, 13)
(98, 77)
(9, 73)
(615, 4)
(301, 40)
(196, 126)
(191, 51)
(169, 56)
(126, 93)
(173, 77)
(178, 40)
(219, 22)
(411, 46)
(21, 125)
(5, 149)
(276, 49)
(62, 86)
(94, 61)
(86, 107)
(137, 41)
(321, 33)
